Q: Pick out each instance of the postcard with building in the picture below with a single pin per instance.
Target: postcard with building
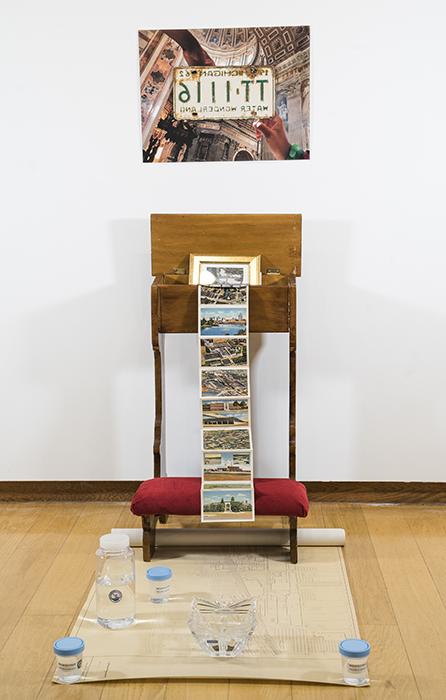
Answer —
(227, 502)
(235, 439)
(221, 352)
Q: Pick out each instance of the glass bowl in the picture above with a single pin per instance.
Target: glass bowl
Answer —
(222, 628)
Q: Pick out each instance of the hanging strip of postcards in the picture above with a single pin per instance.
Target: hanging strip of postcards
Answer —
(227, 493)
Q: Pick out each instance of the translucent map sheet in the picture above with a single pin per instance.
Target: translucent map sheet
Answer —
(303, 611)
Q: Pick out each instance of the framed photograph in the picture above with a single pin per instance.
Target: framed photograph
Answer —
(224, 382)
(229, 502)
(224, 270)
(223, 352)
(223, 320)
(230, 439)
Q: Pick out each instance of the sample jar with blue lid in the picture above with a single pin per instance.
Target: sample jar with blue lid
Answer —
(355, 657)
(68, 651)
(159, 578)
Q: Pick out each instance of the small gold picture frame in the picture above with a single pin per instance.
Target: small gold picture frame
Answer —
(245, 267)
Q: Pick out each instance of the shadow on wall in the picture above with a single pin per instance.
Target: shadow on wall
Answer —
(90, 360)
(369, 391)
(269, 405)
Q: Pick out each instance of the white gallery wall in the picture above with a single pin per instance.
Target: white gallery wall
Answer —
(76, 395)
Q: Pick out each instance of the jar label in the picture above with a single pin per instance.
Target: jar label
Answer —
(356, 668)
(71, 666)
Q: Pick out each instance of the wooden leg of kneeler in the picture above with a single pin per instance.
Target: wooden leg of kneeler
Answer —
(293, 540)
(163, 519)
(148, 536)
(154, 519)
(145, 537)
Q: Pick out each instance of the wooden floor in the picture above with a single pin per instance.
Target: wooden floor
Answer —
(396, 561)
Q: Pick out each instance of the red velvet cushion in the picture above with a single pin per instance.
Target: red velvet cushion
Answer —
(175, 495)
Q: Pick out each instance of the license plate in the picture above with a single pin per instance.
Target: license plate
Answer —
(209, 92)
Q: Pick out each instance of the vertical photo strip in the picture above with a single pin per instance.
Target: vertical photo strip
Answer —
(227, 457)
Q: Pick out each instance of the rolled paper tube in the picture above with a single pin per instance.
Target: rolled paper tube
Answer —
(191, 537)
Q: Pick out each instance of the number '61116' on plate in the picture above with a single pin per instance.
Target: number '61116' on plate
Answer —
(230, 92)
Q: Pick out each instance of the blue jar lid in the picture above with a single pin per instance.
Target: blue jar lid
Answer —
(159, 573)
(356, 648)
(69, 646)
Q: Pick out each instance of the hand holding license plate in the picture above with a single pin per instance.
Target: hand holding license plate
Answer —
(226, 92)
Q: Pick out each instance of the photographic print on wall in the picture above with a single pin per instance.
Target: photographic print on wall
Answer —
(225, 94)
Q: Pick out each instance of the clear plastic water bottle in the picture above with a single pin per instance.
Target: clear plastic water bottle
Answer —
(115, 582)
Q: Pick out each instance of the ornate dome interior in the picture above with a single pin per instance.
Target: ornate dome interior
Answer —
(249, 45)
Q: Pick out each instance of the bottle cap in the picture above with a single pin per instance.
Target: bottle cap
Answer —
(69, 646)
(114, 542)
(355, 648)
(159, 573)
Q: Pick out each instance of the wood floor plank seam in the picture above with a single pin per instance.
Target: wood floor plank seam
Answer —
(380, 568)
(409, 661)
(411, 652)
(428, 567)
(11, 553)
(5, 641)
(345, 516)
(54, 557)
(434, 583)
(48, 675)
(24, 612)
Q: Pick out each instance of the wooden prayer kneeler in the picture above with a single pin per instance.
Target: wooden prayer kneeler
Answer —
(272, 309)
